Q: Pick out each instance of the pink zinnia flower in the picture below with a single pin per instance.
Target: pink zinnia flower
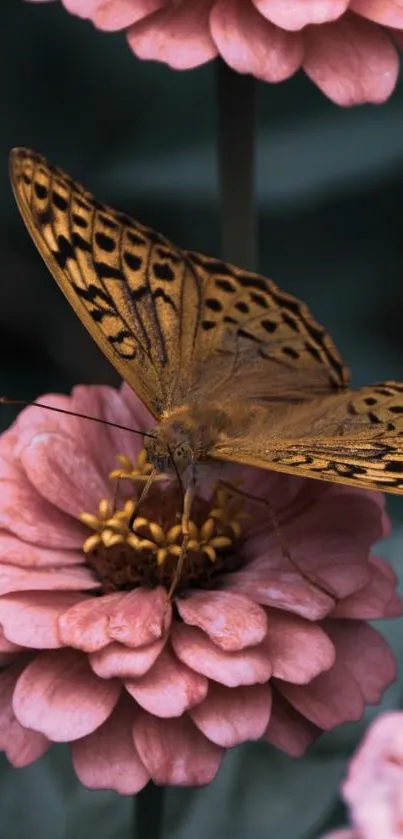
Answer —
(146, 686)
(373, 790)
(347, 47)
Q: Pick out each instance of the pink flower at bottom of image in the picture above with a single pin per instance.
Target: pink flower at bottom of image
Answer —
(151, 673)
(348, 48)
(373, 789)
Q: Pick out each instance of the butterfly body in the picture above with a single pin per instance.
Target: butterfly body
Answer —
(231, 367)
(188, 435)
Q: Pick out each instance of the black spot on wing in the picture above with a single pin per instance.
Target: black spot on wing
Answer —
(65, 251)
(107, 272)
(132, 261)
(394, 466)
(105, 243)
(213, 304)
(80, 221)
(59, 201)
(163, 271)
(80, 243)
(40, 191)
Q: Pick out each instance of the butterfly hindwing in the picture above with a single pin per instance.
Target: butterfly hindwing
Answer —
(354, 437)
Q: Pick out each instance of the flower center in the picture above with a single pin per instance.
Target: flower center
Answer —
(136, 544)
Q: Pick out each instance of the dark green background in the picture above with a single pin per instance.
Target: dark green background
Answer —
(330, 202)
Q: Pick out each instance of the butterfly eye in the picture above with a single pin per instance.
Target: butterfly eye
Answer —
(183, 455)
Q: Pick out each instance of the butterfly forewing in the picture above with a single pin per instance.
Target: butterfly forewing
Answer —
(176, 325)
(126, 283)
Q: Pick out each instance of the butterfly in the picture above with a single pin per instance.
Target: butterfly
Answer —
(231, 367)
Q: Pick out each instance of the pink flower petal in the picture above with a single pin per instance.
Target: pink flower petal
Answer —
(348, 524)
(394, 608)
(387, 12)
(35, 419)
(366, 655)
(10, 468)
(397, 37)
(112, 15)
(30, 619)
(85, 625)
(288, 730)
(245, 667)
(140, 617)
(61, 472)
(107, 758)
(135, 618)
(180, 40)
(373, 788)
(174, 751)
(102, 442)
(280, 589)
(117, 660)
(20, 579)
(232, 621)
(231, 716)
(14, 551)
(31, 518)
(59, 695)
(298, 650)
(169, 688)
(330, 699)
(21, 745)
(374, 599)
(7, 646)
(295, 15)
(352, 61)
(250, 44)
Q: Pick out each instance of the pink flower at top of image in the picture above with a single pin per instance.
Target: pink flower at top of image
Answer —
(373, 789)
(349, 48)
(148, 673)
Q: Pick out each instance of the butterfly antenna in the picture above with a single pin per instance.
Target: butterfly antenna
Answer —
(6, 400)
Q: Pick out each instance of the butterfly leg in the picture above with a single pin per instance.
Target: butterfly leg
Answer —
(187, 506)
(277, 531)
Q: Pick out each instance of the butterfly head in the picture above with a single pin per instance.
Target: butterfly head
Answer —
(168, 452)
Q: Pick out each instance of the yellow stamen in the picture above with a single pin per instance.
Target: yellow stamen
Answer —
(142, 540)
(220, 542)
(207, 529)
(157, 532)
(210, 552)
(145, 544)
(140, 521)
(162, 554)
(90, 520)
(110, 538)
(104, 508)
(173, 533)
(91, 543)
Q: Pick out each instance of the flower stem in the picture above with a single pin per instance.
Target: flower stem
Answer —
(236, 164)
(149, 812)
